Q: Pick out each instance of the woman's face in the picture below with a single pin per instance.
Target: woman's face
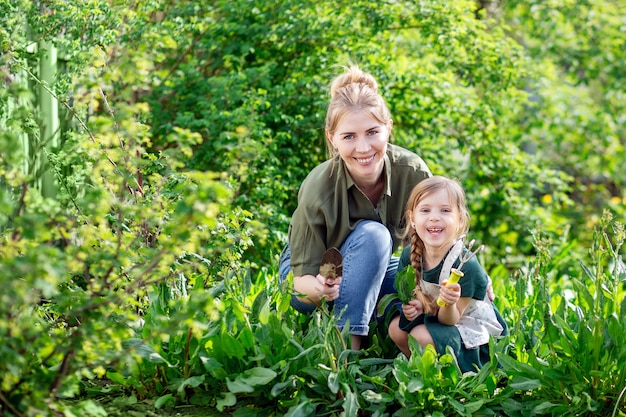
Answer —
(362, 143)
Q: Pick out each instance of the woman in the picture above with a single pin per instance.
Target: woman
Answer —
(355, 202)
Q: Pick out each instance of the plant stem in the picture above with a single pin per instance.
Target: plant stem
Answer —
(9, 405)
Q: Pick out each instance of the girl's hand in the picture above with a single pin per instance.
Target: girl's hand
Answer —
(450, 293)
(412, 310)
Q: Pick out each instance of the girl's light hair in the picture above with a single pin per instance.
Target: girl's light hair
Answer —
(354, 90)
(457, 199)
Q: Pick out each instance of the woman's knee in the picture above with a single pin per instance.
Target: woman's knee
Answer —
(377, 231)
(371, 236)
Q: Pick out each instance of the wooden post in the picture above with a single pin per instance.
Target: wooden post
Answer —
(49, 111)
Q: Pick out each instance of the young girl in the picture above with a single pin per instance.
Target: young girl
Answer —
(436, 219)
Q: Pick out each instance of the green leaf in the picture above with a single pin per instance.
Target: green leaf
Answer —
(385, 302)
(228, 400)
(213, 367)
(232, 347)
(520, 383)
(473, 406)
(237, 386)
(333, 382)
(164, 400)
(144, 350)
(279, 387)
(260, 307)
(542, 408)
(257, 376)
(116, 377)
(192, 382)
(415, 384)
(304, 408)
(372, 396)
(375, 361)
(511, 366)
(458, 407)
(350, 403)
(405, 284)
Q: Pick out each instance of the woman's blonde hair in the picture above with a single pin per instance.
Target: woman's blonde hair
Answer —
(457, 199)
(351, 91)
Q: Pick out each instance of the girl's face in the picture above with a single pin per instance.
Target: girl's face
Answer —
(362, 143)
(436, 220)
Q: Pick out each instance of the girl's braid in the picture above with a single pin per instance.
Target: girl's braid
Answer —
(417, 251)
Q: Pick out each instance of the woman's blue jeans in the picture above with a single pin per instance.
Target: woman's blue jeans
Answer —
(369, 272)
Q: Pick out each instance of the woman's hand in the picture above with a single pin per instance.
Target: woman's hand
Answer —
(330, 290)
(313, 289)
(412, 310)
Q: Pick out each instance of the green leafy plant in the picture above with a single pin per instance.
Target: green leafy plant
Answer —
(567, 355)
(405, 287)
(405, 284)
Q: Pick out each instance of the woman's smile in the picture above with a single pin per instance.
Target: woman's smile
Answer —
(366, 161)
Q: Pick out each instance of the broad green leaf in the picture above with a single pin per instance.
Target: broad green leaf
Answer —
(232, 347)
(385, 302)
(257, 376)
(512, 366)
(372, 396)
(350, 403)
(405, 284)
(192, 382)
(279, 387)
(543, 407)
(458, 407)
(228, 400)
(164, 400)
(415, 384)
(213, 367)
(238, 386)
(333, 382)
(304, 408)
(144, 350)
(375, 361)
(472, 407)
(521, 383)
(260, 308)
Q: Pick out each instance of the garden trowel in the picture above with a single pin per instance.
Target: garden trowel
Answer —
(331, 267)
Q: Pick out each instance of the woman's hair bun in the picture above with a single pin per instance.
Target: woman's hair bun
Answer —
(353, 75)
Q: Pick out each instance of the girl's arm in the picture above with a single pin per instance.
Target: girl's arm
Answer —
(455, 304)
